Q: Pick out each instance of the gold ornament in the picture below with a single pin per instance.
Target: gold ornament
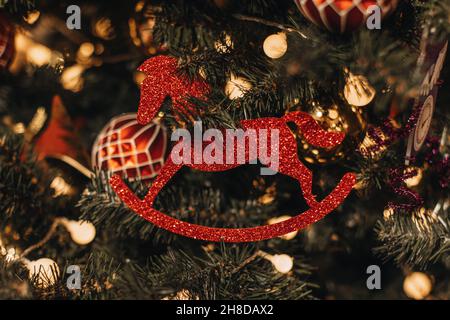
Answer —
(141, 26)
(417, 285)
(236, 87)
(44, 272)
(275, 45)
(358, 91)
(39, 55)
(347, 120)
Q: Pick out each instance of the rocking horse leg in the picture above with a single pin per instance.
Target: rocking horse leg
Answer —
(298, 171)
(167, 172)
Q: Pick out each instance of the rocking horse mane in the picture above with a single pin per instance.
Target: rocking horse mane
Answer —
(160, 63)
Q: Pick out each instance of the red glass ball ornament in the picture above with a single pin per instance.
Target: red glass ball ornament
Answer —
(342, 15)
(130, 149)
(6, 42)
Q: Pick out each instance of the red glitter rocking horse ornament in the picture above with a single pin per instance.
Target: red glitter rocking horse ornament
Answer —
(162, 81)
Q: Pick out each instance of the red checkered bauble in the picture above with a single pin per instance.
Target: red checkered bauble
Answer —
(6, 42)
(128, 148)
(342, 15)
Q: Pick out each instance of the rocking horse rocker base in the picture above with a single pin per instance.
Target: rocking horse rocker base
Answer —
(195, 231)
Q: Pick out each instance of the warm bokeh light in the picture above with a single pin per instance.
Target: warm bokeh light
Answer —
(236, 87)
(417, 285)
(72, 79)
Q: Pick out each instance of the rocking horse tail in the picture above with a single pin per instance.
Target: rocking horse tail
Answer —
(158, 71)
(313, 133)
(150, 105)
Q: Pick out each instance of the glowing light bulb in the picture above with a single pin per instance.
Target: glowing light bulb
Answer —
(44, 272)
(275, 45)
(282, 262)
(81, 232)
(236, 87)
(358, 91)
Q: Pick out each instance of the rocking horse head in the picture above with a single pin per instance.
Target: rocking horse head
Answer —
(163, 80)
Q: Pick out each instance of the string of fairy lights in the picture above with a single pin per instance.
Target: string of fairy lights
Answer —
(44, 272)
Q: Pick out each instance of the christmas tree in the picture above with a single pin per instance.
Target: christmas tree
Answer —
(348, 199)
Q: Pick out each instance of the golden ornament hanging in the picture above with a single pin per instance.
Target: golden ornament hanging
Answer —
(349, 120)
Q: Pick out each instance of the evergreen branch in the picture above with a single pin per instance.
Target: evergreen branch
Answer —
(12, 281)
(214, 276)
(415, 240)
(24, 189)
